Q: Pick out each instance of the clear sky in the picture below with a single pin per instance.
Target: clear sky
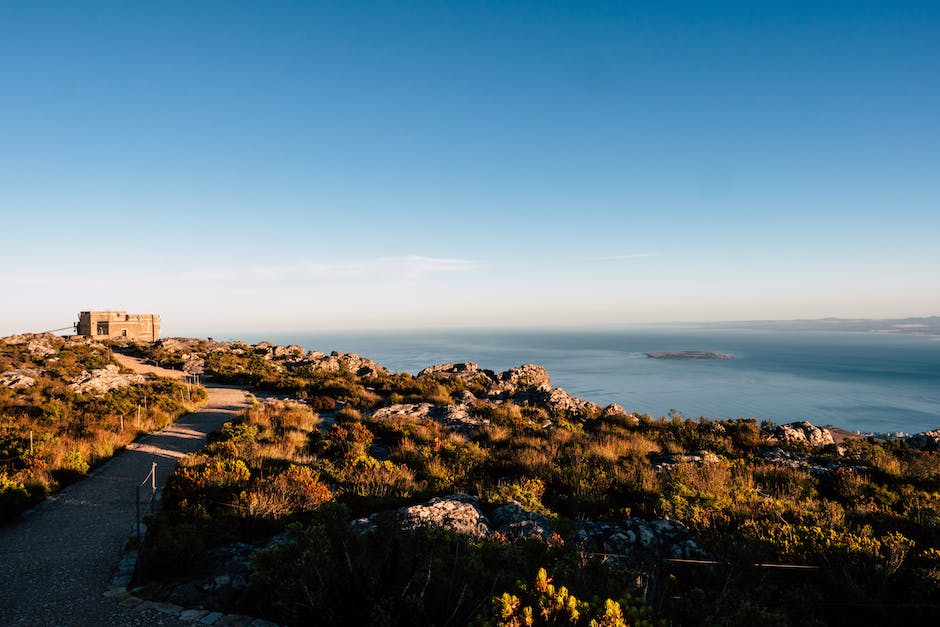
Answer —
(302, 165)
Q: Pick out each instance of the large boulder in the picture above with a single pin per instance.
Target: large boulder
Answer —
(804, 432)
(410, 410)
(458, 512)
(615, 410)
(524, 377)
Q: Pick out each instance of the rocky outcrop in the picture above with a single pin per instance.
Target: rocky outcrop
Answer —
(458, 418)
(175, 344)
(193, 364)
(37, 344)
(522, 378)
(411, 410)
(191, 350)
(470, 374)
(669, 461)
(19, 379)
(557, 400)
(636, 540)
(617, 411)
(458, 512)
(505, 384)
(291, 351)
(525, 384)
(631, 541)
(103, 380)
(338, 362)
(803, 433)
(790, 459)
(279, 353)
(514, 523)
(926, 441)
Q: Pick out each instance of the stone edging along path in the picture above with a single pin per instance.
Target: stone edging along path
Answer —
(56, 562)
(128, 601)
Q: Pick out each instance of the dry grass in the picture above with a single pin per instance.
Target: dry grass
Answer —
(383, 479)
(639, 445)
(608, 448)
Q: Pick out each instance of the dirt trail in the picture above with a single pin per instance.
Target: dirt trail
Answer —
(57, 562)
(141, 367)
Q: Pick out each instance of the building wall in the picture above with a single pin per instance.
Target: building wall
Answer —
(119, 324)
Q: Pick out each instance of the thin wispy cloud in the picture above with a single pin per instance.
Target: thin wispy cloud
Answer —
(52, 281)
(388, 269)
(627, 256)
(410, 267)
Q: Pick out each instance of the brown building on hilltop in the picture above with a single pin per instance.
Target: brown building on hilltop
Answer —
(118, 324)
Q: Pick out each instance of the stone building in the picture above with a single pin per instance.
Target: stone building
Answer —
(119, 324)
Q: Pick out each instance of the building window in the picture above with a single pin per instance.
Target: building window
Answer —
(102, 328)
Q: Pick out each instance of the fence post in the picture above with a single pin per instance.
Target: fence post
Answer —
(153, 490)
(137, 494)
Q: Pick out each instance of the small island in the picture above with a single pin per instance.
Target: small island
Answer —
(688, 355)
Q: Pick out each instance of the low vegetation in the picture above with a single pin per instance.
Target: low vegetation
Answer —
(792, 534)
(50, 434)
(787, 532)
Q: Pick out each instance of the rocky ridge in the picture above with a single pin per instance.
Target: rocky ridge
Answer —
(192, 351)
(525, 384)
(614, 542)
(37, 344)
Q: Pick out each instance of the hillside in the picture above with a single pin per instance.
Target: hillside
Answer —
(370, 497)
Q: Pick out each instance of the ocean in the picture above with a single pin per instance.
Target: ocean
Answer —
(867, 382)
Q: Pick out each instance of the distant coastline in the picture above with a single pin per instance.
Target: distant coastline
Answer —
(929, 325)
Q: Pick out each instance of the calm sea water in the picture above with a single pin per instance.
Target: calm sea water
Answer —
(859, 381)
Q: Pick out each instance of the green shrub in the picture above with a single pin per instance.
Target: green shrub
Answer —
(14, 497)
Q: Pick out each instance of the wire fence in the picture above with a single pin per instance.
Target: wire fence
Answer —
(149, 486)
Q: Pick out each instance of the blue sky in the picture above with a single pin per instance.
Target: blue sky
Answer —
(302, 165)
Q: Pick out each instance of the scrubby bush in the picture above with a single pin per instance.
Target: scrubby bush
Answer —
(13, 497)
(546, 603)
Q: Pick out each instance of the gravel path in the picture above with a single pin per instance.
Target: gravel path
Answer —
(57, 562)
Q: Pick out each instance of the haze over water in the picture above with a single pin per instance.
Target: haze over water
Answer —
(870, 382)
